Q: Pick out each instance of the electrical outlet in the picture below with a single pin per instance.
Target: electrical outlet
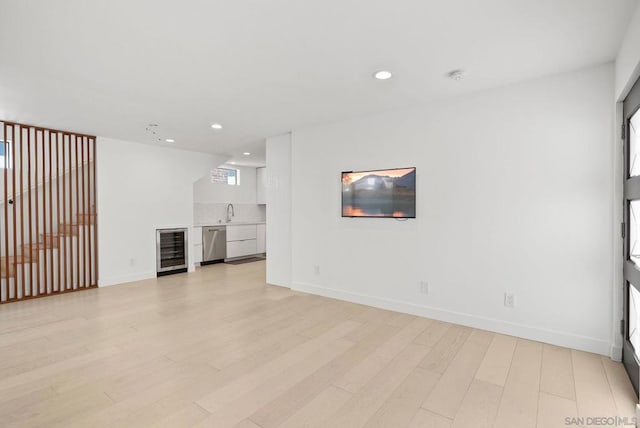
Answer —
(509, 300)
(316, 269)
(424, 287)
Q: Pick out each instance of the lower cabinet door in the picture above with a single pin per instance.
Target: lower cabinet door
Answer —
(247, 247)
(261, 239)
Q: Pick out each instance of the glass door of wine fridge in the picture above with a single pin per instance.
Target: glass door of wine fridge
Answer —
(171, 251)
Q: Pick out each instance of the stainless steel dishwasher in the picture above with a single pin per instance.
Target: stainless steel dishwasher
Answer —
(214, 244)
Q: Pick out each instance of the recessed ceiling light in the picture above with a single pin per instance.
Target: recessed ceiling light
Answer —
(170, 140)
(247, 154)
(382, 75)
(456, 74)
(232, 163)
(216, 126)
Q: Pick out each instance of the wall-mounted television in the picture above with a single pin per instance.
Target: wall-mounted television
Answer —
(379, 193)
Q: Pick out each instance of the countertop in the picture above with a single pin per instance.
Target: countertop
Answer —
(231, 223)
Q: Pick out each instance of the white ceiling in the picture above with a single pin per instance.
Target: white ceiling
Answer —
(261, 68)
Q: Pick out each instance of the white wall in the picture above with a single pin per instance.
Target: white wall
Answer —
(628, 59)
(278, 183)
(141, 188)
(207, 192)
(515, 189)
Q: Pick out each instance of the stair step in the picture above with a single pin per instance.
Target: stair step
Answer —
(3, 274)
(3, 267)
(48, 241)
(20, 259)
(30, 253)
(67, 229)
(85, 219)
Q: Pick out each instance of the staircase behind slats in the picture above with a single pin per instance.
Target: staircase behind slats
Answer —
(48, 233)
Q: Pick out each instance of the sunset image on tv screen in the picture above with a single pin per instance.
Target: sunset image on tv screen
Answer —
(380, 193)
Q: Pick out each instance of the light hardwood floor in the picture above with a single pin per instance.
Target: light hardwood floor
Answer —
(219, 348)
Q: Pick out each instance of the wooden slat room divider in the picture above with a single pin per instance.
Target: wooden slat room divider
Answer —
(48, 233)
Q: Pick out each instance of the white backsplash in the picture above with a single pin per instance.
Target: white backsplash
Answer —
(214, 213)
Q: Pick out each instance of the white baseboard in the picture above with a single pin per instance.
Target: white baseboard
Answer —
(279, 285)
(558, 338)
(134, 277)
(125, 278)
(616, 353)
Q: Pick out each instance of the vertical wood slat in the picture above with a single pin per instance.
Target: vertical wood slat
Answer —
(75, 153)
(23, 280)
(7, 220)
(24, 221)
(11, 136)
(36, 291)
(15, 228)
(3, 285)
(69, 230)
(58, 209)
(90, 216)
(84, 210)
(84, 215)
(7, 273)
(95, 212)
(86, 220)
(79, 209)
(11, 236)
(65, 137)
(5, 268)
(30, 222)
(43, 237)
(80, 215)
(51, 236)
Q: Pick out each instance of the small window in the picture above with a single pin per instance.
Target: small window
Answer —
(226, 175)
(5, 160)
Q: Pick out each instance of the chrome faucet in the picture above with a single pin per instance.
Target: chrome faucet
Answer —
(230, 212)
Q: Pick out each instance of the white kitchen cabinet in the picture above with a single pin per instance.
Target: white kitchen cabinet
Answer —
(261, 185)
(261, 238)
(196, 241)
(241, 240)
(240, 232)
(242, 248)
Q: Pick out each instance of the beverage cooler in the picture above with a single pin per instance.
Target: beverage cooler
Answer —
(171, 251)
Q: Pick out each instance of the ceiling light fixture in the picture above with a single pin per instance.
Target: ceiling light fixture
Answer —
(152, 128)
(383, 75)
(170, 140)
(247, 154)
(216, 126)
(456, 75)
